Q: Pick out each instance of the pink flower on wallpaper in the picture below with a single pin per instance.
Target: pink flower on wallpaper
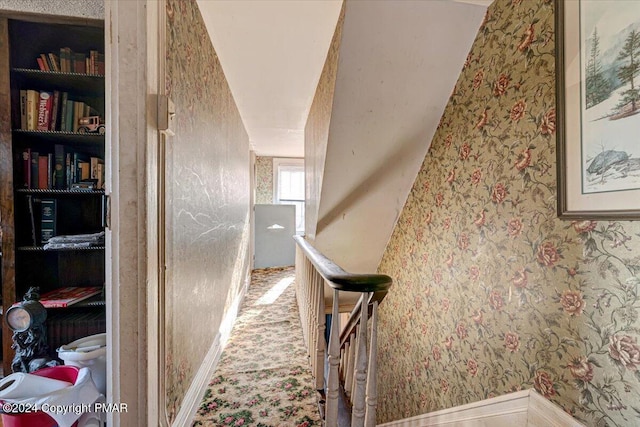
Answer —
(520, 279)
(444, 385)
(495, 300)
(499, 193)
(547, 254)
(584, 226)
(461, 330)
(463, 241)
(528, 37)
(518, 110)
(511, 341)
(426, 186)
(437, 276)
(435, 350)
(480, 219)
(572, 302)
(449, 260)
(581, 369)
(448, 343)
(476, 176)
(439, 199)
(472, 367)
(548, 125)
(514, 227)
(478, 78)
(478, 317)
(501, 85)
(465, 150)
(452, 176)
(625, 350)
(448, 140)
(524, 160)
(474, 273)
(484, 119)
(445, 304)
(428, 217)
(446, 223)
(543, 383)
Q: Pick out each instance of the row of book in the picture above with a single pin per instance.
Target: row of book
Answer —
(65, 326)
(51, 110)
(64, 169)
(69, 61)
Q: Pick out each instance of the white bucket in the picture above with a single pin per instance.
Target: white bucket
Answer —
(88, 352)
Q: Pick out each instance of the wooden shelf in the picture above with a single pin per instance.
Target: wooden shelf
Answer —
(70, 82)
(62, 137)
(55, 192)
(42, 249)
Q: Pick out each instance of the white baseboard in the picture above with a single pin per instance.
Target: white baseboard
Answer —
(522, 408)
(193, 396)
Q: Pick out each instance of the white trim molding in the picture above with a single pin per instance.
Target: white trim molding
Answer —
(523, 408)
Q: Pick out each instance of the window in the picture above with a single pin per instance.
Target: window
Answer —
(288, 182)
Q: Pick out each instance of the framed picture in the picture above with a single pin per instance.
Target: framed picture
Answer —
(598, 109)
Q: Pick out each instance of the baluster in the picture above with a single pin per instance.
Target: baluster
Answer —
(334, 353)
(372, 381)
(320, 341)
(358, 409)
(350, 357)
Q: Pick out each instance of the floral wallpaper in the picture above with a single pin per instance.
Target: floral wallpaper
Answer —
(264, 180)
(207, 200)
(493, 293)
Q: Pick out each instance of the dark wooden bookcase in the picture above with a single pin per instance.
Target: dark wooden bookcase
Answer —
(24, 261)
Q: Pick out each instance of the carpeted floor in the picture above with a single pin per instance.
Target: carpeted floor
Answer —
(263, 378)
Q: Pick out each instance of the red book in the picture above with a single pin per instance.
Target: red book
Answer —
(43, 167)
(64, 297)
(45, 103)
(41, 64)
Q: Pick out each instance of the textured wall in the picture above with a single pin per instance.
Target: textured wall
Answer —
(492, 292)
(264, 180)
(316, 131)
(79, 8)
(207, 196)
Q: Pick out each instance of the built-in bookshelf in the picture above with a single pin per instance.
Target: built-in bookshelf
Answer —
(53, 215)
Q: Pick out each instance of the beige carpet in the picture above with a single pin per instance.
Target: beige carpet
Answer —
(263, 378)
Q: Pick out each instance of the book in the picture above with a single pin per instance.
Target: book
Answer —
(64, 297)
(54, 62)
(34, 169)
(41, 64)
(59, 160)
(23, 109)
(51, 170)
(100, 176)
(43, 171)
(26, 168)
(48, 220)
(69, 116)
(63, 111)
(45, 103)
(32, 219)
(79, 63)
(45, 62)
(32, 109)
(55, 108)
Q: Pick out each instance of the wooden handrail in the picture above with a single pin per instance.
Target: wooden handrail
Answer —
(351, 356)
(339, 279)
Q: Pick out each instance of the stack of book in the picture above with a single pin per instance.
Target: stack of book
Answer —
(68, 61)
(51, 110)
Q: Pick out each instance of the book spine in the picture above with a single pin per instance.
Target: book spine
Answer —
(51, 170)
(26, 168)
(32, 109)
(55, 108)
(55, 62)
(45, 62)
(34, 169)
(59, 182)
(67, 169)
(40, 64)
(63, 111)
(48, 222)
(23, 109)
(45, 103)
(69, 117)
(43, 171)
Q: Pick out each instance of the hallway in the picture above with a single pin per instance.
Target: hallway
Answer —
(263, 378)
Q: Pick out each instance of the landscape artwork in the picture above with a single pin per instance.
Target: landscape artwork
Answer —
(610, 95)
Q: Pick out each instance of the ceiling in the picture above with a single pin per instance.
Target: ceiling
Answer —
(272, 53)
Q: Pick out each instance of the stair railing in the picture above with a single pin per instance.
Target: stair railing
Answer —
(351, 362)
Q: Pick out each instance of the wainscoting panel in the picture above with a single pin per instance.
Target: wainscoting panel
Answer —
(523, 408)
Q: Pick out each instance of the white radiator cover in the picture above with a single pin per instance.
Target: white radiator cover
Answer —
(523, 408)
